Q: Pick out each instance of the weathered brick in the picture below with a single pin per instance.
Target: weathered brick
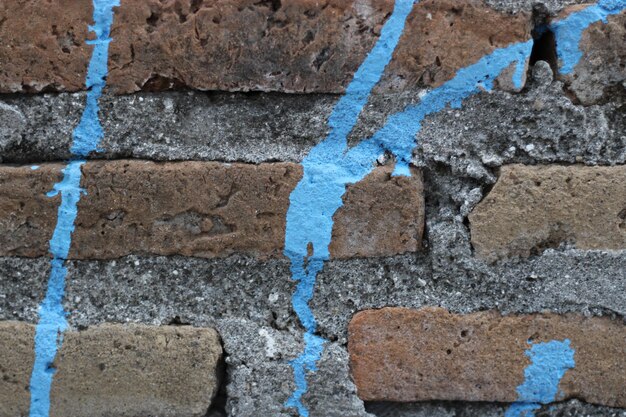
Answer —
(203, 209)
(532, 208)
(602, 68)
(400, 354)
(291, 46)
(381, 216)
(115, 371)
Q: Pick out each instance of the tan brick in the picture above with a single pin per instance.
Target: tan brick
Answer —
(17, 356)
(116, 370)
(532, 208)
(291, 46)
(399, 354)
(203, 209)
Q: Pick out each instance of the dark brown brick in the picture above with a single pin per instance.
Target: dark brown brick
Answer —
(203, 209)
(290, 46)
(399, 354)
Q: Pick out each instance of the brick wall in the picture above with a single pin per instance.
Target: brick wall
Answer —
(357, 208)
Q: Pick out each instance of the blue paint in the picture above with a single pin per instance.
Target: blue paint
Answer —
(52, 322)
(34, 167)
(318, 195)
(331, 165)
(568, 31)
(89, 132)
(549, 362)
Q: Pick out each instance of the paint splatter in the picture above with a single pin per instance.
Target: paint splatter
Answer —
(52, 322)
(331, 165)
(549, 362)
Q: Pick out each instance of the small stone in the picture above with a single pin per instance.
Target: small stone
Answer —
(542, 73)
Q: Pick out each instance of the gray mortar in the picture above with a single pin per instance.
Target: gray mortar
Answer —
(573, 408)
(249, 300)
(515, 6)
(168, 126)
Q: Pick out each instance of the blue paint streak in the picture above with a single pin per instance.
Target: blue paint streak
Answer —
(52, 322)
(568, 31)
(34, 167)
(331, 165)
(318, 195)
(549, 362)
(89, 132)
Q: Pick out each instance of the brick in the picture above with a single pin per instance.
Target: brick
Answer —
(290, 46)
(602, 68)
(400, 354)
(202, 209)
(116, 371)
(532, 208)
(381, 216)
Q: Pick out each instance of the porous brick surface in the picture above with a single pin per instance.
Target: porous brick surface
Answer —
(401, 354)
(203, 209)
(532, 208)
(120, 370)
(292, 46)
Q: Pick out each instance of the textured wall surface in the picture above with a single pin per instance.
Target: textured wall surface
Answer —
(294, 208)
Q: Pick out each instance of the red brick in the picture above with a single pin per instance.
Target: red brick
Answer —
(202, 209)
(399, 354)
(301, 46)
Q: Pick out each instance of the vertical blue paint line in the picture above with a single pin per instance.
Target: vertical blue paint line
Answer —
(317, 192)
(52, 318)
(331, 165)
(549, 362)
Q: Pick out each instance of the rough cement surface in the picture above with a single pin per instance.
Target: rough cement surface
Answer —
(168, 126)
(572, 408)
(538, 125)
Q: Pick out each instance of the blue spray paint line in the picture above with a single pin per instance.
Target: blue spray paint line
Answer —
(89, 132)
(549, 362)
(568, 31)
(52, 318)
(315, 193)
(331, 165)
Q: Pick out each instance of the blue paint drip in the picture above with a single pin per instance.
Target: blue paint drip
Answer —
(52, 322)
(319, 194)
(549, 362)
(568, 31)
(89, 132)
(331, 165)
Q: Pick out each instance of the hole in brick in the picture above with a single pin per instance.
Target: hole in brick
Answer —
(544, 41)
(622, 217)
